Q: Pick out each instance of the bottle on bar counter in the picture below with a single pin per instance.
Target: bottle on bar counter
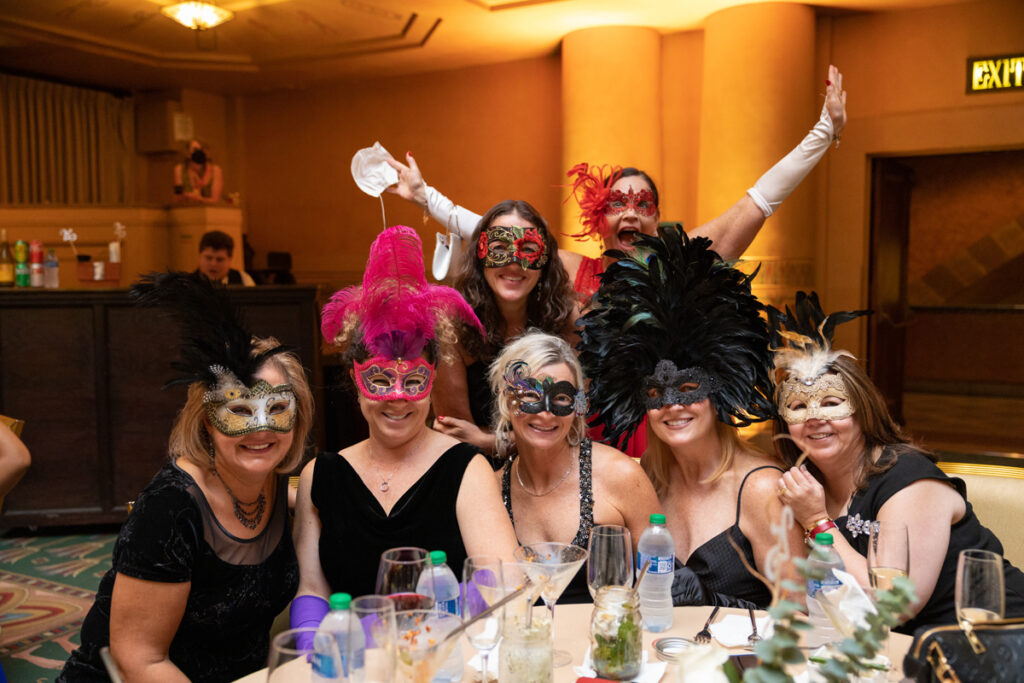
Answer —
(51, 275)
(35, 263)
(6, 261)
(21, 275)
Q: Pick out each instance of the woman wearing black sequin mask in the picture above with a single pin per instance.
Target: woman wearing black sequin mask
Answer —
(556, 484)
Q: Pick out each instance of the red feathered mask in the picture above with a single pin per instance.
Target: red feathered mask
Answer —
(591, 187)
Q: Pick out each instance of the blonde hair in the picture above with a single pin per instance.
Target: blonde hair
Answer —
(657, 460)
(190, 439)
(537, 349)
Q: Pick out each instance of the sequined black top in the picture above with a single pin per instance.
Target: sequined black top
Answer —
(577, 590)
(967, 533)
(238, 586)
(721, 570)
(355, 529)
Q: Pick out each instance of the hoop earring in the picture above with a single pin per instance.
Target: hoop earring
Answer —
(575, 434)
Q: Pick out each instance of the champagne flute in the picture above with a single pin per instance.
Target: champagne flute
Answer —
(398, 574)
(888, 553)
(552, 566)
(980, 594)
(376, 616)
(610, 560)
(289, 658)
(484, 585)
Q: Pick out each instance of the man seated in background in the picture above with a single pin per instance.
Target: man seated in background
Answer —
(215, 250)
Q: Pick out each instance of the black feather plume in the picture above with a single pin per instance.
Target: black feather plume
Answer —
(802, 336)
(674, 298)
(213, 334)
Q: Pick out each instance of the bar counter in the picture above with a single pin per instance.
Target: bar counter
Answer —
(84, 369)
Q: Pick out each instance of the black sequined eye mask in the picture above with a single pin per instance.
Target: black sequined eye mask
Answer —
(665, 386)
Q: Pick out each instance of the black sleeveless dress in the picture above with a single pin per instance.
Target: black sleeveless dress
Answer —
(577, 591)
(237, 586)
(355, 530)
(967, 533)
(720, 569)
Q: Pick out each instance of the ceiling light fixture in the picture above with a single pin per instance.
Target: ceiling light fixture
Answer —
(197, 15)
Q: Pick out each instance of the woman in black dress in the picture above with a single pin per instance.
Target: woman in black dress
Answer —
(862, 469)
(205, 560)
(406, 485)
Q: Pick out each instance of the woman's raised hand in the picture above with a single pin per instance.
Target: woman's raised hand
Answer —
(466, 431)
(835, 98)
(410, 185)
(801, 491)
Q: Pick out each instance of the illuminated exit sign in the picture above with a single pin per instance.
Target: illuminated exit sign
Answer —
(991, 74)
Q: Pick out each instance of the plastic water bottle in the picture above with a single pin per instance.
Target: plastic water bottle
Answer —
(657, 546)
(439, 582)
(51, 274)
(824, 561)
(339, 646)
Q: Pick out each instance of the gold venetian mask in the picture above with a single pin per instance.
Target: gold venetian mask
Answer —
(823, 398)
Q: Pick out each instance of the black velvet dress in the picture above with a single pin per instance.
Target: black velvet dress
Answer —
(967, 533)
(238, 586)
(355, 530)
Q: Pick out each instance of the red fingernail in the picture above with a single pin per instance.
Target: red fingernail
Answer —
(440, 418)
(408, 154)
(828, 82)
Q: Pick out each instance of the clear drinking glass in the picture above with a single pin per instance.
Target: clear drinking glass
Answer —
(397, 575)
(552, 566)
(376, 615)
(421, 645)
(888, 553)
(288, 661)
(484, 585)
(980, 593)
(610, 560)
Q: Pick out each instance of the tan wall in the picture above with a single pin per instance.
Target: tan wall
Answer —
(480, 135)
(906, 72)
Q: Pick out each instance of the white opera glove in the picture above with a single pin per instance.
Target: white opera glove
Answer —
(457, 219)
(782, 178)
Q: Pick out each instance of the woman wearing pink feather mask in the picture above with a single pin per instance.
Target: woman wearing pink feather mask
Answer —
(406, 485)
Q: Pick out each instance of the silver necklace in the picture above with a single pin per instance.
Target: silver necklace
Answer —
(385, 484)
(249, 514)
(519, 478)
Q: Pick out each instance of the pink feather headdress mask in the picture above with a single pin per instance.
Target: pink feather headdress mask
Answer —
(395, 308)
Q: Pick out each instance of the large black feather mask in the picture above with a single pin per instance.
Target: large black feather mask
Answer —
(674, 299)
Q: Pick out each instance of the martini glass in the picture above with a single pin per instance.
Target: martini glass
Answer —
(422, 648)
(551, 566)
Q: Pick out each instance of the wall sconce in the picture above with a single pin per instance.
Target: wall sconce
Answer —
(197, 15)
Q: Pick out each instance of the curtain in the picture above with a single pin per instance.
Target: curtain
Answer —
(60, 144)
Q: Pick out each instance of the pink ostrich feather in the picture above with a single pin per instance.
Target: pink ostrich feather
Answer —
(397, 308)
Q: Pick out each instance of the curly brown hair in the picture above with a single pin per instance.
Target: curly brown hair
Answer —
(549, 306)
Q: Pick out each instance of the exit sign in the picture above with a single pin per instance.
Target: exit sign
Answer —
(992, 74)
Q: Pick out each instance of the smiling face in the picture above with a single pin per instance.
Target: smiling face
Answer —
(511, 283)
(681, 425)
(263, 448)
(631, 210)
(821, 418)
(544, 429)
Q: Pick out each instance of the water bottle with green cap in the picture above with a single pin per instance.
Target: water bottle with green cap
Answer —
(657, 547)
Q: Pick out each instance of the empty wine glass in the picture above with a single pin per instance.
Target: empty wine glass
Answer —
(552, 566)
(610, 559)
(483, 585)
(980, 593)
(376, 615)
(398, 575)
(888, 553)
(289, 655)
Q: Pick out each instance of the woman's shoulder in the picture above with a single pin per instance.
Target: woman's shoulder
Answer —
(906, 465)
(171, 486)
(613, 468)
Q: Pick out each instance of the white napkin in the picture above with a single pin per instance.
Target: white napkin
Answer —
(734, 629)
(650, 672)
(443, 254)
(370, 170)
(844, 608)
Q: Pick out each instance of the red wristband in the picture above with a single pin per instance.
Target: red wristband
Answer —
(821, 528)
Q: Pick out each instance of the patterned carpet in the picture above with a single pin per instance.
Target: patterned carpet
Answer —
(47, 584)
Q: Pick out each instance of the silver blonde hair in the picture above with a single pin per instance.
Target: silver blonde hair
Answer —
(537, 349)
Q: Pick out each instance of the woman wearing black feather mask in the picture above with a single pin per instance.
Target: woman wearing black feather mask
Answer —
(205, 560)
(676, 315)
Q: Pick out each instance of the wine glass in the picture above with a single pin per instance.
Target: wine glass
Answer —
(398, 575)
(376, 615)
(483, 585)
(551, 566)
(289, 655)
(980, 594)
(888, 553)
(421, 645)
(610, 560)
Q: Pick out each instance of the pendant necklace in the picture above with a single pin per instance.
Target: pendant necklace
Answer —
(249, 514)
(385, 484)
(557, 484)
